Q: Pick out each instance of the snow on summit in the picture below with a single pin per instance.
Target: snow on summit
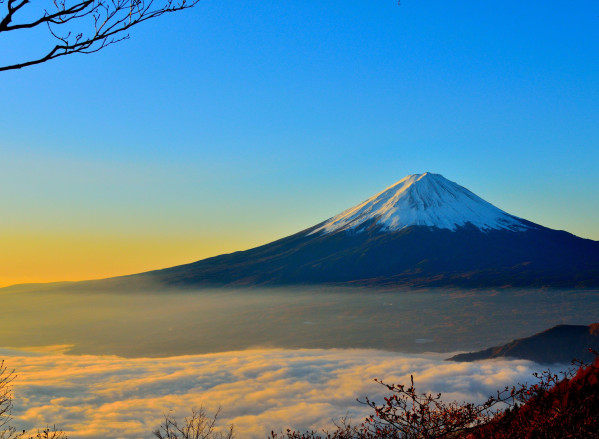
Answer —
(424, 200)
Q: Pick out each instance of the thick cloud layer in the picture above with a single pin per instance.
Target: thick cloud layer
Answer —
(259, 390)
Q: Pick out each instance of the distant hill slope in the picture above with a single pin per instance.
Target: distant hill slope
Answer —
(560, 344)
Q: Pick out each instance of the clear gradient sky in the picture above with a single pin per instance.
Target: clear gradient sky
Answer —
(237, 123)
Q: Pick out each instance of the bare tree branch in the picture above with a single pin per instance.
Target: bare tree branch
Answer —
(197, 426)
(6, 378)
(82, 26)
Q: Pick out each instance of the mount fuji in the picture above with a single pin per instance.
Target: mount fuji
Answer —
(423, 200)
(423, 231)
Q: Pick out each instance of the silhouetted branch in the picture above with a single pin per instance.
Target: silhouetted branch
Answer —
(82, 26)
(6, 377)
(198, 426)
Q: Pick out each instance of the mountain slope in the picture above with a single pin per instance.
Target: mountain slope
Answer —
(422, 231)
(560, 344)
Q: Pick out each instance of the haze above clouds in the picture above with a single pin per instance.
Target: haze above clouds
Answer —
(170, 322)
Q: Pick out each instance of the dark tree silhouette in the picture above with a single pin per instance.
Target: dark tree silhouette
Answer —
(78, 26)
(199, 425)
(6, 377)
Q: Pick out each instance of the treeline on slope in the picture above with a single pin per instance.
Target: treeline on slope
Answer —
(561, 405)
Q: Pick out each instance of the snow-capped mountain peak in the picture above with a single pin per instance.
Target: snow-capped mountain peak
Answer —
(424, 200)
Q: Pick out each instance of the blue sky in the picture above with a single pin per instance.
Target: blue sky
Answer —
(235, 123)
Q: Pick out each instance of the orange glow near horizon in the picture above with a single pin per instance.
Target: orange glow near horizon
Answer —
(40, 258)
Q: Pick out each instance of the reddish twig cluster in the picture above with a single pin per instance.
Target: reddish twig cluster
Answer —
(557, 406)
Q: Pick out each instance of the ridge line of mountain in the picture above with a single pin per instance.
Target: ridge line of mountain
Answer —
(559, 344)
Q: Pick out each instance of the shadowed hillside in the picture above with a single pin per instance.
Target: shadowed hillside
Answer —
(559, 344)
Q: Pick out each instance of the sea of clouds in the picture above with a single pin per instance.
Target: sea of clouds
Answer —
(259, 390)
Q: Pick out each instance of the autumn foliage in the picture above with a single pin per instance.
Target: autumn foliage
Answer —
(566, 407)
(557, 406)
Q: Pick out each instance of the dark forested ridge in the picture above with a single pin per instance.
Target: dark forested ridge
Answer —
(559, 344)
